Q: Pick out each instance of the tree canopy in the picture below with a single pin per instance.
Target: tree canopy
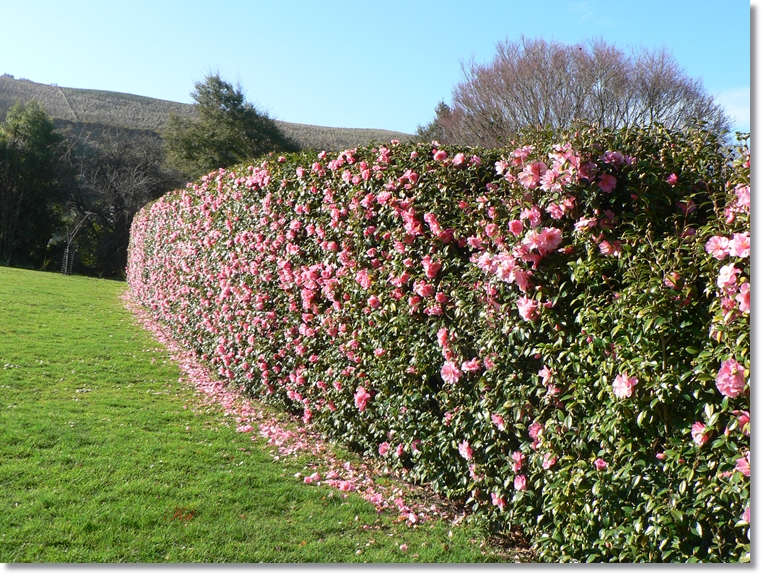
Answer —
(227, 130)
(30, 152)
(547, 84)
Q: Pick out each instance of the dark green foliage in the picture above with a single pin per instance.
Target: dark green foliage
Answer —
(227, 130)
(30, 198)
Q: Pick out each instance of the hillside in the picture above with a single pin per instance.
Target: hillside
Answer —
(81, 106)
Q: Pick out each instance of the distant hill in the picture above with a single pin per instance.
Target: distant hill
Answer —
(75, 108)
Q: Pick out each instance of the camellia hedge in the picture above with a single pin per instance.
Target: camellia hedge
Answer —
(556, 332)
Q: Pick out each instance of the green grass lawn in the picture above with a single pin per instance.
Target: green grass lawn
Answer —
(106, 457)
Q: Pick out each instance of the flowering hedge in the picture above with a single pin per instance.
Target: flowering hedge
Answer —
(556, 332)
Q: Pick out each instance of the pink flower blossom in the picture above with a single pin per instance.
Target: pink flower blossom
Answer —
(498, 421)
(727, 276)
(698, 432)
(518, 460)
(672, 179)
(730, 379)
(608, 249)
(383, 448)
(450, 372)
(744, 298)
(535, 430)
(527, 308)
(743, 197)
(471, 365)
(442, 336)
(374, 302)
(600, 464)
(743, 422)
(520, 483)
(515, 227)
(361, 398)
(440, 155)
(465, 450)
(531, 175)
(556, 212)
(740, 245)
(430, 267)
(532, 214)
(459, 160)
(546, 374)
(743, 465)
(607, 183)
(746, 517)
(548, 460)
(623, 385)
(497, 501)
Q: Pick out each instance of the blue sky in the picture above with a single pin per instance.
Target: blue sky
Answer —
(350, 64)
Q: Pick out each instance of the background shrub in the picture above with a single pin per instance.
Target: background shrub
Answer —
(544, 330)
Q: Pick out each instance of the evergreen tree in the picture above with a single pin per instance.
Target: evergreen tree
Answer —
(226, 130)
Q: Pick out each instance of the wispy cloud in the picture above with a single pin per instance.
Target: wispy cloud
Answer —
(586, 13)
(737, 104)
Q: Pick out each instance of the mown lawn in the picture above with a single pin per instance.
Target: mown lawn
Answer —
(106, 457)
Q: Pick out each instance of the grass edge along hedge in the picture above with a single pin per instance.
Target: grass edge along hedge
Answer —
(556, 332)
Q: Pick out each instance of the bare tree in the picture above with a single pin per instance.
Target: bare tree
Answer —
(547, 84)
(118, 171)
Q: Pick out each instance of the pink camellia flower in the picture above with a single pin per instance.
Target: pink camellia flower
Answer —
(491, 230)
(743, 465)
(698, 432)
(515, 227)
(527, 308)
(546, 374)
(535, 429)
(743, 422)
(520, 483)
(459, 159)
(430, 267)
(363, 278)
(744, 298)
(743, 197)
(442, 336)
(471, 365)
(498, 421)
(440, 155)
(548, 239)
(498, 501)
(600, 464)
(672, 179)
(431, 220)
(746, 517)
(383, 448)
(727, 276)
(465, 450)
(740, 245)
(441, 298)
(548, 461)
(607, 183)
(730, 379)
(450, 372)
(361, 398)
(608, 249)
(374, 302)
(518, 460)
(623, 385)
(532, 214)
